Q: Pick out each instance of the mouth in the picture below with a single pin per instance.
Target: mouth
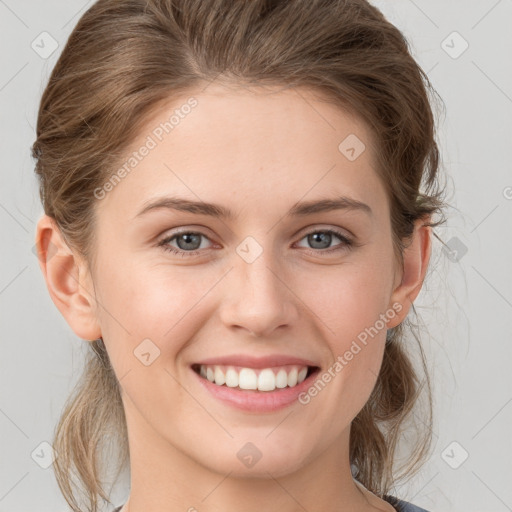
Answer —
(256, 380)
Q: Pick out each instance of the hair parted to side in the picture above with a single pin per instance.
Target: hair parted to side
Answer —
(126, 56)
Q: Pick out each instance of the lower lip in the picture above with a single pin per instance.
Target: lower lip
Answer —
(254, 400)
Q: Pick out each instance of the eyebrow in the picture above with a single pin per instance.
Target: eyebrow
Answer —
(215, 210)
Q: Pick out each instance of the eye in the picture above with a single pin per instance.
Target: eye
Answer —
(189, 242)
(186, 240)
(321, 239)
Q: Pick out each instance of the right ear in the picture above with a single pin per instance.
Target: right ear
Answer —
(68, 280)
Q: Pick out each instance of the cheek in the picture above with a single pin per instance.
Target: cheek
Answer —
(348, 299)
(141, 303)
(153, 299)
(352, 303)
(152, 312)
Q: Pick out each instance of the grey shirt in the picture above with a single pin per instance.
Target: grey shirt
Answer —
(400, 505)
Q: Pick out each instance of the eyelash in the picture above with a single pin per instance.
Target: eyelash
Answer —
(347, 243)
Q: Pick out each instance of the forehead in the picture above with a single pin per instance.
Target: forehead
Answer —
(248, 144)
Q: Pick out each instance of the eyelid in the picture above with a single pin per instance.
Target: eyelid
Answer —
(305, 231)
(196, 229)
(347, 241)
(325, 227)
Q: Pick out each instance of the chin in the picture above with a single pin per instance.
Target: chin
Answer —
(250, 462)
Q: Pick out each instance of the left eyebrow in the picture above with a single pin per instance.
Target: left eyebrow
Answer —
(325, 205)
(218, 211)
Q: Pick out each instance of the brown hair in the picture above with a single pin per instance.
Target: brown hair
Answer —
(126, 56)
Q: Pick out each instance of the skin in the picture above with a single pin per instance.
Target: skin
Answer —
(290, 300)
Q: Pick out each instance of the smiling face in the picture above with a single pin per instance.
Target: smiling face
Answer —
(268, 279)
(258, 283)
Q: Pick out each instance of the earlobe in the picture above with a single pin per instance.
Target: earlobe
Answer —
(416, 259)
(67, 280)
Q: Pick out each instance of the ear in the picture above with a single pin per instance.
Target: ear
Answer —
(68, 280)
(416, 258)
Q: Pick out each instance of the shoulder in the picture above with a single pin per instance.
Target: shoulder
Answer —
(403, 506)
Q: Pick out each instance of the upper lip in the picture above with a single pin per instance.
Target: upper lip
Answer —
(257, 362)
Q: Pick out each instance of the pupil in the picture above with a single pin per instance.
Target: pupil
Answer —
(189, 238)
(316, 236)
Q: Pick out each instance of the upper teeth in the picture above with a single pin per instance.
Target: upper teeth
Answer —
(266, 379)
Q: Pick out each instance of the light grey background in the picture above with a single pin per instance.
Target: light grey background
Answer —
(466, 303)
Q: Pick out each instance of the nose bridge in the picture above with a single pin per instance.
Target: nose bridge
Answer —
(257, 298)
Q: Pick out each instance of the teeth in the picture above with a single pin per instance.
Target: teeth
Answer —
(231, 378)
(219, 376)
(247, 379)
(292, 377)
(266, 379)
(281, 379)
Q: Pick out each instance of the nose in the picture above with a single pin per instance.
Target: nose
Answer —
(257, 297)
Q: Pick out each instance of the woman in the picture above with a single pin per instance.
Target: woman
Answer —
(291, 145)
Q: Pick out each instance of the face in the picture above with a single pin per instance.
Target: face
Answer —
(179, 287)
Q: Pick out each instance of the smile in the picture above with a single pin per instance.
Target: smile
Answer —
(264, 379)
(255, 390)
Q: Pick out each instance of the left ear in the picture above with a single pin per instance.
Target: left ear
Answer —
(416, 258)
